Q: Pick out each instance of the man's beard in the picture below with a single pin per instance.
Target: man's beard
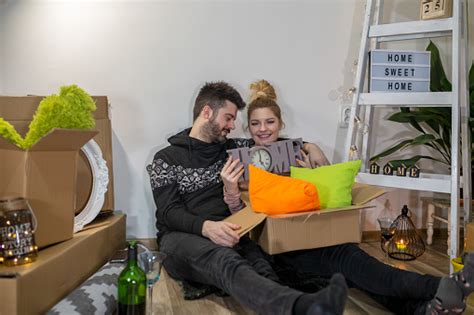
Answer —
(213, 131)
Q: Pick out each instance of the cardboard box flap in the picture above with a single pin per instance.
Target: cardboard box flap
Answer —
(7, 145)
(102, 111)
(64, 140)
(363, 193)
(15, 108)
(247, 219)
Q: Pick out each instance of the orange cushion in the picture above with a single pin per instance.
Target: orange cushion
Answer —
(274, 194)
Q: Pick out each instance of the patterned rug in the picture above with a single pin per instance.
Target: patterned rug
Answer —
(98, 295)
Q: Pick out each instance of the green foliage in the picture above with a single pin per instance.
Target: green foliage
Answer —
(71, 109)
(433, 123)
(9, 132)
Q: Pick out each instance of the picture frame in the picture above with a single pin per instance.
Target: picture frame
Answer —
(100, 180)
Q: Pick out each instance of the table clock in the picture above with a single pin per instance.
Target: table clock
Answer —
(276, 157)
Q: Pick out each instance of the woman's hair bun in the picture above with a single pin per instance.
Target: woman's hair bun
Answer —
(262, 89)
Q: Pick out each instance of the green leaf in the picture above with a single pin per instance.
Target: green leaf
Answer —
(471, 79)
(471, 102)
(446, 136)
(419, 117)
(439, 82)
(412, 161)
(444, 149)
(420, 140)
(391, 150)
(412, 122)
(423, 139)
(443, 111)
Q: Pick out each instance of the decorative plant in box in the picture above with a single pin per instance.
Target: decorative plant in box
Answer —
(71, 109)
(432, 123)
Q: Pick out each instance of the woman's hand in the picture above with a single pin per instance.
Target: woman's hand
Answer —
(230, 174)
(305, 162)
(313, 156)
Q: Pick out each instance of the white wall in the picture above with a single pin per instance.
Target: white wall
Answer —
(150, 58)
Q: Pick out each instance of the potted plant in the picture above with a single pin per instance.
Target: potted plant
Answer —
(432, 123)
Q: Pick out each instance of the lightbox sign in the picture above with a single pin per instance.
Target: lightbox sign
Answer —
(399, 71)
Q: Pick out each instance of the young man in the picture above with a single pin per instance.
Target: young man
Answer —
(188, 193)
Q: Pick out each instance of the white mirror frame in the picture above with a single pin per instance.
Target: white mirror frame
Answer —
(100, 180)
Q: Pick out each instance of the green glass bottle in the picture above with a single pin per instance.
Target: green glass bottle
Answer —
(132, 285)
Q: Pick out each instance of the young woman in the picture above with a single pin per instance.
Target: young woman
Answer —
(264, 124)
(402, 292)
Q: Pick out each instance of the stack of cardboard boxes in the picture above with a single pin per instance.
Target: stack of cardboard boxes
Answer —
(57, 181)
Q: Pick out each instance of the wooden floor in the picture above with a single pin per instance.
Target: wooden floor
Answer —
(168, 297)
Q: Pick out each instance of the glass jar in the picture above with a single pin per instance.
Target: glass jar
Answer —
(17, 227)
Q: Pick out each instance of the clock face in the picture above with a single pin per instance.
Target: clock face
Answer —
(260, 157)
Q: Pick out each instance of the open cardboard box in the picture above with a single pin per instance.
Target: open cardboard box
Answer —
(19, 111)
(59, 269)
(45, 174)
(305, 230)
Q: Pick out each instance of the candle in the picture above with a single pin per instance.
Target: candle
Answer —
(401, 245)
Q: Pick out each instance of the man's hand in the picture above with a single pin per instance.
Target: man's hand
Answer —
(230, 174)
(220, 232)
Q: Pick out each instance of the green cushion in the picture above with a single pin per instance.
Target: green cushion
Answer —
(334, 182)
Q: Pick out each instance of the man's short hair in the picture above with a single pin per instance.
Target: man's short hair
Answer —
(215, 94)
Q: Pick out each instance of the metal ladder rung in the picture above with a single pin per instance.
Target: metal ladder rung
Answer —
(412, 30)
(420, 99)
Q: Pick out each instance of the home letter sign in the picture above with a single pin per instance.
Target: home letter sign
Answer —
(399, 71)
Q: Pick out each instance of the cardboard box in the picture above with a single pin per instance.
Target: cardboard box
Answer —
(45, 174)
(469, 238)
(59, 269)
(19, 111)
(305, 230)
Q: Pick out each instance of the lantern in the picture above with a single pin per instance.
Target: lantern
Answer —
(17, 227)
(406, 243)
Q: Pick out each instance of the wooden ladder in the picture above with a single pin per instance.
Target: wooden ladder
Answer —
(363, 102)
